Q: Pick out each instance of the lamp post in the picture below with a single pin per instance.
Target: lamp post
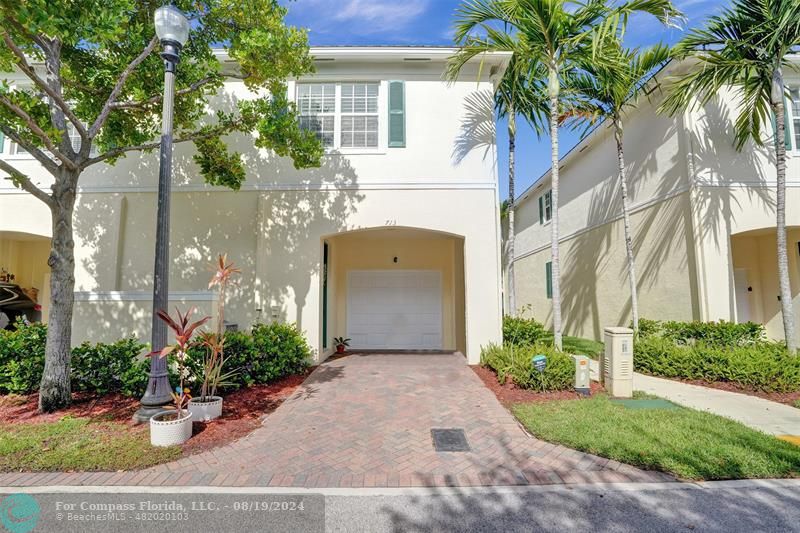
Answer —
(172, 28)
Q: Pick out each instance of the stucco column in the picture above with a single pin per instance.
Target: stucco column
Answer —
(482, 291)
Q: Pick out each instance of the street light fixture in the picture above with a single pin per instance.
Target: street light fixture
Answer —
(172, 29)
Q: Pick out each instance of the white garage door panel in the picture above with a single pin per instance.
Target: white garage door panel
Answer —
(394, 309)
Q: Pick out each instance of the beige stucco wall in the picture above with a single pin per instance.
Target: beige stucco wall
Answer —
(415, 250)
(276, 238)
(594, 282)
(691, 191)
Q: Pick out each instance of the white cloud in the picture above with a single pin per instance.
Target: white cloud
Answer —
(361, 17)
(381, 15)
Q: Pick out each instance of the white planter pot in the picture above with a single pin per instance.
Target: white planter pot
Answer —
(205, 411)
(166, 431)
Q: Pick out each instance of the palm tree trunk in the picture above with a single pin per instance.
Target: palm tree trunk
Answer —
(554, 89)
(780, 209)
(512, 297)
(626, 218)
(54, 389)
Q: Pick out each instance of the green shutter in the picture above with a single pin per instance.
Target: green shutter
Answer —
(548, 272)
(397, 114)
(541, 209)
(2, 142)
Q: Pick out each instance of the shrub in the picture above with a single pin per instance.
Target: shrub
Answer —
(22, 358)
(522, 331)
(515, 361)
(765, 366)
(269, 352)
(713, 333)
(104, 368)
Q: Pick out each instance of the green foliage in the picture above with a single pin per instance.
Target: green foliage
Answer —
(721, 334)
(687, 443)
(96, 368)
(515, 362)
(22, 358)
(740, 48)
(764, 366)
(269, 352)
(100, 40)
(521, 331)
(104, 368)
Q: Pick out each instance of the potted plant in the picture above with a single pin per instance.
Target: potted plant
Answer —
(174, 426)
(208, 405)
(341, 344)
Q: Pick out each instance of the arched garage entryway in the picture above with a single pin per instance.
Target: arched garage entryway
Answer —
(394, 288)
(24, 276)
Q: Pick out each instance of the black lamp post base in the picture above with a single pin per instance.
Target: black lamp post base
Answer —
(146, 412)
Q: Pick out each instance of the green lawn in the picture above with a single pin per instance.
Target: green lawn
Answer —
(687, 443)
(577, 345)
(78, 444)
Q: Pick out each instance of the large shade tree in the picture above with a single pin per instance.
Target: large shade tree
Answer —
(553, 33)
(605, 90)
(93, 69)
(746, 48)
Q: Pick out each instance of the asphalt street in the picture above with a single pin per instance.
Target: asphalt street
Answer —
(748, 506)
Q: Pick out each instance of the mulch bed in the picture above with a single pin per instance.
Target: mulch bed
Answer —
(508, 393)
(243, 412)
(789, 398)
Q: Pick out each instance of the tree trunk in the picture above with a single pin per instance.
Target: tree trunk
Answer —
(780, 210)
(626, 217)
(554, 89)
(512, 297)
(54, 390)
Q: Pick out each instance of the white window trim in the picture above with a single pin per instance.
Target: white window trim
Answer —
(795, 146)
(546, 220)
(383, 110)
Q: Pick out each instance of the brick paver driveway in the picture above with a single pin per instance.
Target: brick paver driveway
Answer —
(365, 421)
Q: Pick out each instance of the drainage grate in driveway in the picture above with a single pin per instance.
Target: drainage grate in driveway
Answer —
(449, 440)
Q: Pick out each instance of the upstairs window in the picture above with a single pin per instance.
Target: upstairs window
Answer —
(546, 207)
(359, 115)
(317, 105)
(342, 115)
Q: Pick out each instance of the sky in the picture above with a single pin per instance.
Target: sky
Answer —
(430, 22)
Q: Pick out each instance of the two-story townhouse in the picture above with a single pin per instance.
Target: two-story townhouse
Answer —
(702, 213)
(393, 241)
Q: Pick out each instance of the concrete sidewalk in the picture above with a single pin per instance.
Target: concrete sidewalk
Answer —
(770, 417)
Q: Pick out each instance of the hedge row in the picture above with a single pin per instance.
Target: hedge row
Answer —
(267, 353)
(716, 352)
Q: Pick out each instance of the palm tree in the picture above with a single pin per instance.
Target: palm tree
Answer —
(747, 47)
(552, 33)
(517, 94)
(605, 90)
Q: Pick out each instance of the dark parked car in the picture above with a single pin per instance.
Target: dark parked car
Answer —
(14, 303)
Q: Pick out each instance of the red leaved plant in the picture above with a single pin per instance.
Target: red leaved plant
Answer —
(184, 332)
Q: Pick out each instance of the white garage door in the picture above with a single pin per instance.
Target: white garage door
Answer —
(394, 309)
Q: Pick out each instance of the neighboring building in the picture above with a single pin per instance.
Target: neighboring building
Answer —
(393, 242)
(702, 214)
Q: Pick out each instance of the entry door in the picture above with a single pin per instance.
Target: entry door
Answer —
(394, 309)
(741, 286)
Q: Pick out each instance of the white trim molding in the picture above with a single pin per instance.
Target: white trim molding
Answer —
(142, 296)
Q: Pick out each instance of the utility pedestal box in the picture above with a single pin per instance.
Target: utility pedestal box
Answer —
(582, 374)
(616, 365)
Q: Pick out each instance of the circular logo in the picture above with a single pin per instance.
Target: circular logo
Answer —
(19, 513)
